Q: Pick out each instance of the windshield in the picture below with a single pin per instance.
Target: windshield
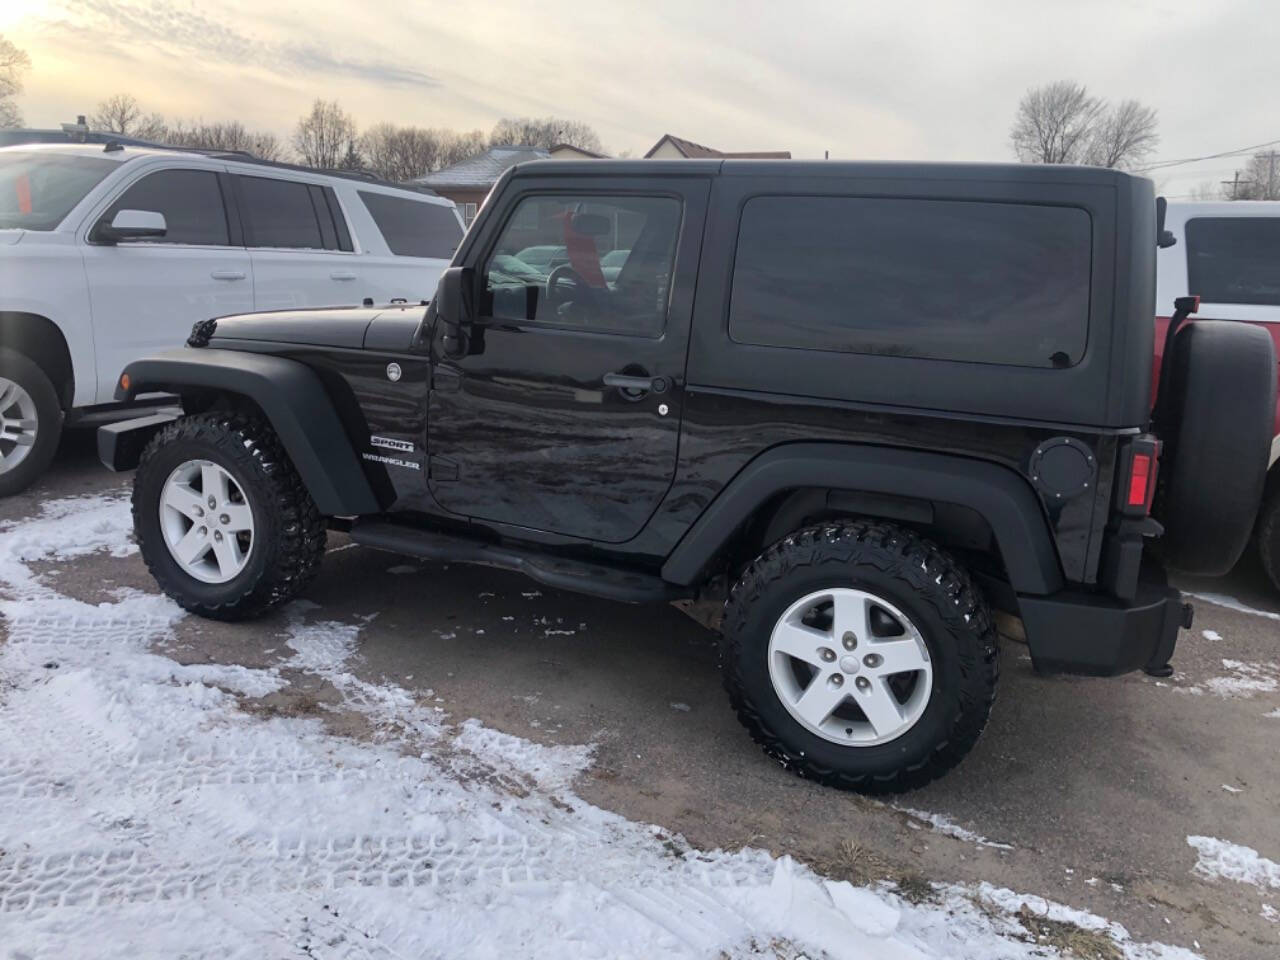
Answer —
(38, 189)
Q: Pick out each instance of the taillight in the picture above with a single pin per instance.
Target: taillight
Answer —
(1139, 482)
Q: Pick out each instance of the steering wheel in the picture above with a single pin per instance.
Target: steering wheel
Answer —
(563, 274)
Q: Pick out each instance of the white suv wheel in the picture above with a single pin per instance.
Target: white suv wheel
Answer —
(19, 423)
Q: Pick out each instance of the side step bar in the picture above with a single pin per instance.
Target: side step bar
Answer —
(561, 572)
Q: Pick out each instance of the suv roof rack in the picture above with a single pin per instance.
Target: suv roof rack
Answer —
(241, 156)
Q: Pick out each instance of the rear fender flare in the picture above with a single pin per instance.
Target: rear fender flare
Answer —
(293, 399)
(1001, 496)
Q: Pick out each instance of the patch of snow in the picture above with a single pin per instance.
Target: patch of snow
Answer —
(1211, 634)
(1219, 859)
(1230, 789)
(146, 814)
(1270, 913)
(345, 546)
(530, 594)
(950, 828)
(1274, 714)
(402, 568)
(1245, 680)
(1231, 603)
(681, 707)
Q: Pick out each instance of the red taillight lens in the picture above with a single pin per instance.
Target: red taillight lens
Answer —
(1138, 478)
(1138, 485)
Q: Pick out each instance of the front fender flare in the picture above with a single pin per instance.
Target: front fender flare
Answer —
(1001, 496)
(294, 401)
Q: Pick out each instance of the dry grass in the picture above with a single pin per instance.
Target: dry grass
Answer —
(865, 868)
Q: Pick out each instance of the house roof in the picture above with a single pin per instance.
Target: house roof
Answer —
(483, 170)
(695, 150)
(570, 146)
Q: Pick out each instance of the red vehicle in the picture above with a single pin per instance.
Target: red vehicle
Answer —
(1228, 254)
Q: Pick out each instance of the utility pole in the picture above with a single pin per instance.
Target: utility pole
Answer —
(1271, 177)
(1234, 182)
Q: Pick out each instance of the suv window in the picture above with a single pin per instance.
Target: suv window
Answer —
(1234, 259)
(939, 279)
(191, 201)
(281, 213)
(414, 228)
(37, 190)
(547, 264)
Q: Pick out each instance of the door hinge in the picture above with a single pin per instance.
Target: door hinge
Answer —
(440, 468)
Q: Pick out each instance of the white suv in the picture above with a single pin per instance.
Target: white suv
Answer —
(107, 253)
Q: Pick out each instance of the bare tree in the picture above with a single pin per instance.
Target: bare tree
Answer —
(229, 135)
(1054, 123)
(1206, 190)
(1123, 136)
(406, 153)
(14, 62)
(546, 132)
(321, 136)
(123, 114)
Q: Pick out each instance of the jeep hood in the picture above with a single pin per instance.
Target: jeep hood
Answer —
(321, 327)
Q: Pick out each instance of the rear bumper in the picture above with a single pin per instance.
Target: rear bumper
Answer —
(120, 445)
(1085, 633)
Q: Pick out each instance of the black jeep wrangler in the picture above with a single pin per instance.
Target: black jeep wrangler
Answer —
(860, 404)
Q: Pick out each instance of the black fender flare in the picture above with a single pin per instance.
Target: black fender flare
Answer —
(294, 401)
(1001, 496)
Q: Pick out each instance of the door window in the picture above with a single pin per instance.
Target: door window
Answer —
(283, 213)
(191, 201)
(1234, 259)
(551, 263)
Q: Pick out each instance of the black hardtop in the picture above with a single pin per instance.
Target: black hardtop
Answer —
(1028, 173)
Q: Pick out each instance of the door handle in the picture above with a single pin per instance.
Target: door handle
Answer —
(338, 275)
(635, 385)
(228, 274)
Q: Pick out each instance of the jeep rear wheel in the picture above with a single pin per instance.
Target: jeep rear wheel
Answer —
(1268, 535)
(223, 521)
(860, 655)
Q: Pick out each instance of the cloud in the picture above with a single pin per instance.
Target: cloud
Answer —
(184, 32)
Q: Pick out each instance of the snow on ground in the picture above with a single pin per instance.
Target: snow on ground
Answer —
(1231, 603)
(950, 828)
(1242, 680)
(1219, 859)
(148, 815)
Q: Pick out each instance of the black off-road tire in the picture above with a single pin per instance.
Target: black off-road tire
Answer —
(28, 375)
(1268, 533)
(920, 580)
(289, 532)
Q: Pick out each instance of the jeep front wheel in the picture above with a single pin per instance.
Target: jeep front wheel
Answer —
(860, 655)
(223, 521)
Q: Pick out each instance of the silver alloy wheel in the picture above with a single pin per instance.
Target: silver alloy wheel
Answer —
(206, 521)
(850, 667)
(18, 424)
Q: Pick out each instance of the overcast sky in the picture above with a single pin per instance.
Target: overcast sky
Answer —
(886, 80)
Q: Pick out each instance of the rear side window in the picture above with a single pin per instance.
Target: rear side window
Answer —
(414, 228)
(935, 279)
(1234, 259)
(279, 213)
(190, 200)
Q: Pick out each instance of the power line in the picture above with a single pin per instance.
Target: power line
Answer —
(1162, 164)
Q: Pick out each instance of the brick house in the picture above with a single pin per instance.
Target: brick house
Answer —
(468, 182)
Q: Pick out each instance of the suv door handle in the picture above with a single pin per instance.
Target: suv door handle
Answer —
(635, 385)
(337, 275)
(228, 274)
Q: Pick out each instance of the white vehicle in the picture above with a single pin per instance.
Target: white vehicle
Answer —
(108, 253)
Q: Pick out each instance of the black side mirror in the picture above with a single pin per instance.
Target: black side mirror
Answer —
(1164, 238)
(455, 307)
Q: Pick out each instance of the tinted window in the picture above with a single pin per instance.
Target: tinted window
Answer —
(37, 190)
(950, 280)
(279, 213)
(548, 264)
(190, 200)
(1234, 259)
(414, 228)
